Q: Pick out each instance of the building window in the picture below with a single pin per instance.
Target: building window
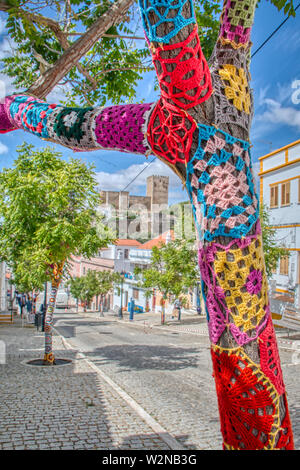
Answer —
(274, 196)
(126, 253)
(284, 265)
(135, 294)
(285, 193)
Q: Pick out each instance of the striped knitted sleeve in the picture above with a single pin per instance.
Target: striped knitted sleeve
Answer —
(81, 129)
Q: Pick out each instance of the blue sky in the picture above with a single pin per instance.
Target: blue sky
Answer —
(275, 70)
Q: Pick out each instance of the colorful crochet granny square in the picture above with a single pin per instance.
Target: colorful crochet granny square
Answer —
(220, 181)
(170, 132)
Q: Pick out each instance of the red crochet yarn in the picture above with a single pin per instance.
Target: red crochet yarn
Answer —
(170, 132)
(184, 79)
(269, 357)
(286, 440)
(248, 404)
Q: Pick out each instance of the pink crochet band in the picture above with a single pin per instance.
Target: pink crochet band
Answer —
(5, 123)
(121, 127)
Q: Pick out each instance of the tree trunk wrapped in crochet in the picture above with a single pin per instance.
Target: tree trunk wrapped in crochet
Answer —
(200, 128)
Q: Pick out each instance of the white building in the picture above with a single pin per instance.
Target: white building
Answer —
(140, 256)
(280, 192)
(6, 289)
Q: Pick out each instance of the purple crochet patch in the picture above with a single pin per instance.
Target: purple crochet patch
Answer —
(121, 127)
(5, 124)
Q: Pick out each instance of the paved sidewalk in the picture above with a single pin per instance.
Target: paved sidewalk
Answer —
(64, 407)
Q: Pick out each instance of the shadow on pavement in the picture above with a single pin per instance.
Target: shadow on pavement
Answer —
(143, 357)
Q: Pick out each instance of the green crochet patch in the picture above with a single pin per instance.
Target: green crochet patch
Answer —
(69, 121)
(239, 12)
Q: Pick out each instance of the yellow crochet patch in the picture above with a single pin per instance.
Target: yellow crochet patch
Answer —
(245, 285)
(236, 88)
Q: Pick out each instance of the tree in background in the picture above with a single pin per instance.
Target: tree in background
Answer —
(48, 213)
(106, 281)
(76, 285)
(272, 251)
(94, 283)
(200, 128)
(172, 271)
(89, 288)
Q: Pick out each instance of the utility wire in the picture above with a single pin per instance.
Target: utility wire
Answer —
(272, 34)
(145, 167)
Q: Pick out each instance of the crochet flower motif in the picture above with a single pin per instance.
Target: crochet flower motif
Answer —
(170, 132)
(173, 72)
(237, 87)
(248, 403)
(254, 282)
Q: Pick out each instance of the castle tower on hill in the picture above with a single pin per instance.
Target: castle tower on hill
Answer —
(156, 199)
(157, 193)
(158, 189)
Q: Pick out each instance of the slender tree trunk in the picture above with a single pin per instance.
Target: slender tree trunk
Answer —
(102, 305)
(49, 358)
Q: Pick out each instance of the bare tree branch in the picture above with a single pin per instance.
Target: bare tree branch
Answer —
(43, 86)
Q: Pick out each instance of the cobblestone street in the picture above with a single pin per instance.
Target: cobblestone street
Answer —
(129, 386)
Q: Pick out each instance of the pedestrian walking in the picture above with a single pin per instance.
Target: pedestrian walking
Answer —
(177, 307)
(30, 317)
(19, 301)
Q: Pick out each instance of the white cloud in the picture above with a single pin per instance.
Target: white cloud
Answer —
(6, 86)
(276, 113)
(7, 47)
(2, 25)
(3, 148)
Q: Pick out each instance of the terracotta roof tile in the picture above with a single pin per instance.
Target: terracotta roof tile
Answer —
(127, 242)
(157, 241)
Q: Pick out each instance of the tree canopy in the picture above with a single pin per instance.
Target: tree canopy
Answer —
(272, 250)
(173, 268)
(48, 209)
